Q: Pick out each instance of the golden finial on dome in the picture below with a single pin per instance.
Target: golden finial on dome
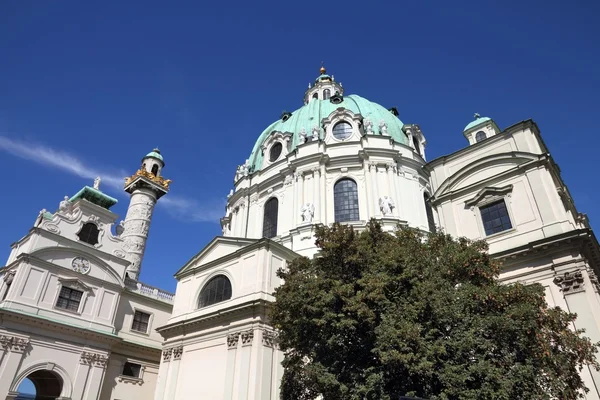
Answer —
(322, 70)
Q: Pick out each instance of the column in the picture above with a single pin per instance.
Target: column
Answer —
(90, 376)
(572, 285)
(245, 364)
(96, 377)
(375, 189)
(392, 184)
(12, 354)
(301, 200)
(171, 389)
(317, 192)
(163, 374)
(323, 194)
(232, 344)
(265, 365)
(137, 225)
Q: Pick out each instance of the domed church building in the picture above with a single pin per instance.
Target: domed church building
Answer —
(76, 320)
(342, 158)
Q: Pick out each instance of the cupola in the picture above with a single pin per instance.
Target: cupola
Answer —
(324, 88)
(480, 129)
(153, 162)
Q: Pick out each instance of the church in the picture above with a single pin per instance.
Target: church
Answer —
(76, 320)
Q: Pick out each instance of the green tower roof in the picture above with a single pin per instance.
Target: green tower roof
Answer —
(478, 121)
(94, 196)
(156, 154)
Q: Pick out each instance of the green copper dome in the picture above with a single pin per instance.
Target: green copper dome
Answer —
(315, 111)
(478, 121)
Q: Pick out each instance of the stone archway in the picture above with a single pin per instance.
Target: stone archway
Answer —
(48, 384)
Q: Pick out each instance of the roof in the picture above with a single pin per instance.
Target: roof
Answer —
(156, 154)
(477, 122)
(94, 196)
(315, 111)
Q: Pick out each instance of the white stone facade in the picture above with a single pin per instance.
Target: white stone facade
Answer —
(71, 320)
(213, 339)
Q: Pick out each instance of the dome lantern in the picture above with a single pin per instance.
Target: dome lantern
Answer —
(323, 88)
(480, 129)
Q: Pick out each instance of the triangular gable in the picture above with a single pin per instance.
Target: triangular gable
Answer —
(219, 247)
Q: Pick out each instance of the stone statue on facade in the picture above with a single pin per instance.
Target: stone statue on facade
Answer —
(307, 212)
(97, 183)
(368, 126)
(315, 133)
(65, 206)
(386, 205)
(303, 136)
(383, 128)
(230, 193)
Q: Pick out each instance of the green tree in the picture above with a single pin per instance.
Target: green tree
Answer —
(378, 315)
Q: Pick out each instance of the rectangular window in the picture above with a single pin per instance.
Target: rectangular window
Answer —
(495, 217)
(69, 299)
(140, 322)
(131, 369)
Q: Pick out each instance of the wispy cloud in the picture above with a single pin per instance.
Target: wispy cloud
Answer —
(179, 207)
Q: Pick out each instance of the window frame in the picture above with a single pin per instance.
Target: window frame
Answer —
(126, 378)
(487, 196)
(150, 319)
(84, 241)
(477, 140)
(491, 204)
(337, 123)
(208, 281)
(73, 284)
(276, 224)
(351, 179)
(271, 147)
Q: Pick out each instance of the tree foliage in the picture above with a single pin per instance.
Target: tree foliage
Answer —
(376, 316)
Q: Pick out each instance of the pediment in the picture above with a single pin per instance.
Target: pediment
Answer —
(74, 283)
(483, 169)
(217, 248)
(65, 257)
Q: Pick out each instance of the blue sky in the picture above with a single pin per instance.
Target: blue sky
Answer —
(88, 89)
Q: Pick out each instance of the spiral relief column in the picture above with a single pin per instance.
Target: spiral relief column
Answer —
(146, 186)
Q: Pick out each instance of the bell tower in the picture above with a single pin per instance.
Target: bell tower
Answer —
(146, 186)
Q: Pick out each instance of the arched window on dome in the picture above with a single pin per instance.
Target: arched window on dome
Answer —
(89, 233)
(217, 289)
(315, 95)
(429, 211)
(270, 218)
(345, 200)
(275, 151)
(342, 130)
(479, 136)
(326, 94)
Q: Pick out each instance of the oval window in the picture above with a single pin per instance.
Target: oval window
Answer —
(342, 131)
(275, 152)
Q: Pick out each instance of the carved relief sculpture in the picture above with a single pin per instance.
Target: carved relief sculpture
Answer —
(307, 212)
(167, 354)
(268, 338)
(315, 133)
(570, 282)
(232, 340)
(303, 136)
(247, 337)
(177, 351)
(386, 205)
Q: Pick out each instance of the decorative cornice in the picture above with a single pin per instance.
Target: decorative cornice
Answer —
(570, 282)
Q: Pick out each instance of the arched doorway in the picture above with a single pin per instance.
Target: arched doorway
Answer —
(48, 385)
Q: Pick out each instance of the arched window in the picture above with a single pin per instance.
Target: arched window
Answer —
(417, 146)
(326, 94)
(479, 136)
(275, 152)
(218, 289)
(315, 95)
(429, 211)
(89, 233)
(345, 200)
(155, 170)
(342, 130)
(270, 218)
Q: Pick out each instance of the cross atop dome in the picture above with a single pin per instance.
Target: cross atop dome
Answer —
(322, 70)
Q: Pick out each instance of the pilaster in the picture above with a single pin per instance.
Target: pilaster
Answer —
(232, 349)
(174, 354)
(12, 348)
